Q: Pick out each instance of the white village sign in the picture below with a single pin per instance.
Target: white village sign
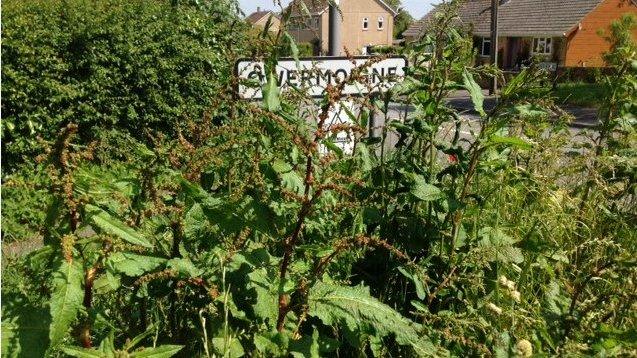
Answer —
(314, 74)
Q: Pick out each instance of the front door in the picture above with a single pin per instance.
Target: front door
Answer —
(512, 53)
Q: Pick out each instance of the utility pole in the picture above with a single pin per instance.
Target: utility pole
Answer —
(494, 43)
(335, 45)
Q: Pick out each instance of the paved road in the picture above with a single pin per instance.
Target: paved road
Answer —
(584, 117)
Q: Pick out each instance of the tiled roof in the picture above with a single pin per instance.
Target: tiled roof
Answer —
(538, 17)
(518, 17)
(258, 15)
(470, 12)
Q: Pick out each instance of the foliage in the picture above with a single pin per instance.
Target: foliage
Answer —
(402, 20)
(435, 236)
(136, 66)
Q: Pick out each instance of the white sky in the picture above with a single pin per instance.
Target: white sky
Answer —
(417, 8)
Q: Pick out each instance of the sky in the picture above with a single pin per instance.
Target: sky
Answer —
(417, 8)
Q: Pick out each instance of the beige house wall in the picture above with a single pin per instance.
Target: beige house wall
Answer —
(353, 36)
(275, 23)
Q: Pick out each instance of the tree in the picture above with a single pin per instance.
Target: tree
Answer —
(403, 19)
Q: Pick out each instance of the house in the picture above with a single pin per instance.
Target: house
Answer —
(564, 32)
(260, 19)
(364, 23)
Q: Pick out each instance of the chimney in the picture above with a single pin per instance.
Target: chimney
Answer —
(258, 8)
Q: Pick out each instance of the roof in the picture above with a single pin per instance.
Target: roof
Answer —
(258, 15)
(317, 7)
(538, 17)
(470, 12)
(518, 17)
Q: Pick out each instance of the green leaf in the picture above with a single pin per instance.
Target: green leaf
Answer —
(355, 309)
(294, 49)
(530, 110)
(510, 141)
(266, 286)
(475, 91)
(332, 147)
(25, 328)
(133, 265)
(423, 190)
(66, 298)
(107, 283)
(184, 267)
(109, 224)
(83, 352)
(230, 348)
(164, 351)
(271, 93)
(495, 245)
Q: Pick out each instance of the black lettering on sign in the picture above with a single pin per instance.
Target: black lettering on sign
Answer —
(292, 78)
(392, 71)
(336, 77)
(378, 76)
(323, 76)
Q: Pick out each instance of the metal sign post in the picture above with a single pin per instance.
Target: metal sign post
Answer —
(335, 45)
(494, 43)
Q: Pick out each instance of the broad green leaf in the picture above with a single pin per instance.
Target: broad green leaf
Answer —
(164, 351)
(271, 94)
(109, 224)
(510, 141)
(66, 298)
(423, 190)
(83, 352)
(475, 92)
(133, 265)
(106, 283)
(184, 267)
(530, 110)
(266, 306)
(230, 348)
(25, 328)
(354, 308)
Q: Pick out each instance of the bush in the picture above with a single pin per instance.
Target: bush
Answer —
(132, 65)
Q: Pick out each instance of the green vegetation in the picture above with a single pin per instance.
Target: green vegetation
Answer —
(579, 94)
(250, 232)
(135, 66)
(403, 19)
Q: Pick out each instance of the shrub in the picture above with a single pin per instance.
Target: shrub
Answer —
(133, 65)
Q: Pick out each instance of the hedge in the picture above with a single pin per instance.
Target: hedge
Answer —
(132, 65)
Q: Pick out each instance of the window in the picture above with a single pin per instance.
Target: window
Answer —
(542, 45)
(381, 22)
(485, 49)
(316, 22)
(365, 23)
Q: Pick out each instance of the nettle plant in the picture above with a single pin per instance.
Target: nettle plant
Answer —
(439, 235)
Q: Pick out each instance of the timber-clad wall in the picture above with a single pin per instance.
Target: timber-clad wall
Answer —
(585, 47)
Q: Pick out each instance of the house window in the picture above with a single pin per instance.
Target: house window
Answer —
(542, 46)
(316, 22)
(381, 22)
(485, 49)
(365, 23)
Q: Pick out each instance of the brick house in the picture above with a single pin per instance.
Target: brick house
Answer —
(260, 19)
(563, 32)
(364, 23)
